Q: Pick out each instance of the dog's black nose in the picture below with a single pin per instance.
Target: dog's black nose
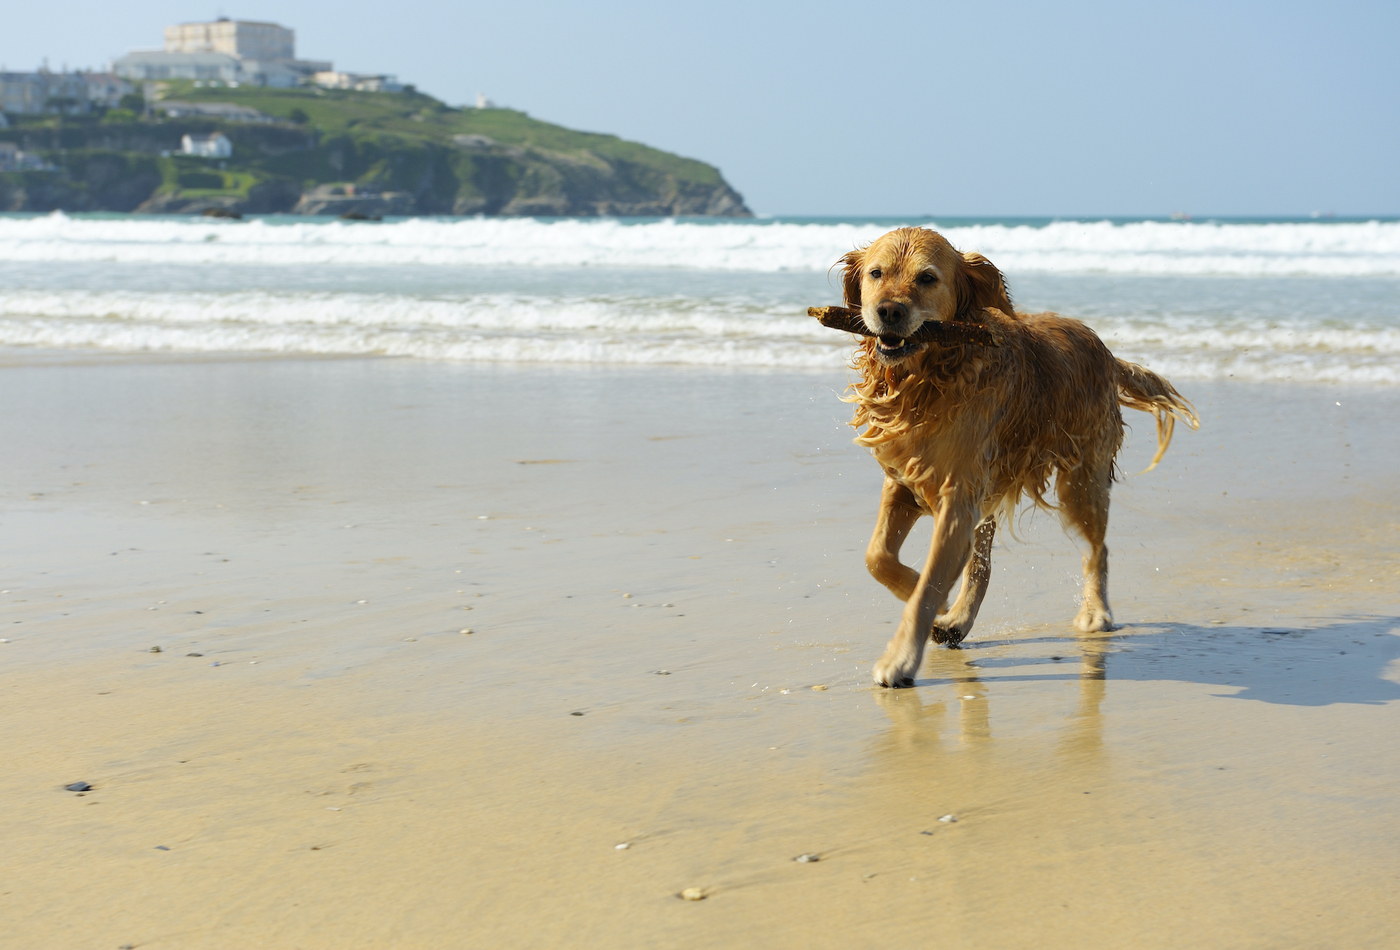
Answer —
(889, 310)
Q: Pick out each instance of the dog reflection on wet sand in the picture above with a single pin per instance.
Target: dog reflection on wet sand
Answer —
(957, 671)
(964, 432)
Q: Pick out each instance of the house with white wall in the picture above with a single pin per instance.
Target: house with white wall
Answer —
(206, 146)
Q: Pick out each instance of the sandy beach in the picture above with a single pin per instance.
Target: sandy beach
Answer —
(665, 683)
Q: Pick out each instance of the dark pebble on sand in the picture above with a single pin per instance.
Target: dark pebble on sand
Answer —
(153, 650)
(78, 787)
(194, 654)
(161, 847)
(575, 714)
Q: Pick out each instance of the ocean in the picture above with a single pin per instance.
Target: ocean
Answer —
(1307, 301)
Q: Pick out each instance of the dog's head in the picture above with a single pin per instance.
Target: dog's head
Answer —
(913, 276)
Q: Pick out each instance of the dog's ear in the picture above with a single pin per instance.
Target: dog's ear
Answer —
(854, 264)
(980, 285)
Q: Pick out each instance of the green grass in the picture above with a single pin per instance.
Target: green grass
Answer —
(201, 178)
(412, 115)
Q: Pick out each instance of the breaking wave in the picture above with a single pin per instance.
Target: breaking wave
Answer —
(632, 329)
(1318, 249)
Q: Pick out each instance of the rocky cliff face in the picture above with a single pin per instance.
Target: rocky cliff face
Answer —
(89, 180)
(510, 180)
(264, 197)
(290, 169)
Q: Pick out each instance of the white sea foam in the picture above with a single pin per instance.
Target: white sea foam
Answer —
(498, 327)
(1145, 247)
(622, 329)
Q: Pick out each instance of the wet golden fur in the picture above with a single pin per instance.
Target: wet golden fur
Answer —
(965, 432)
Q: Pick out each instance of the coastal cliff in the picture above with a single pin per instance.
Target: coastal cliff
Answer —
(342, 152)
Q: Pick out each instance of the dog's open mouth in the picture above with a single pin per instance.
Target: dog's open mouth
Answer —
(894, 347)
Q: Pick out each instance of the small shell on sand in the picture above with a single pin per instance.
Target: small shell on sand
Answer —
(693, 894)
(807, 858)
(949, 818)
(622, 847)
(465, 630)
(626, 596)
(820, 686)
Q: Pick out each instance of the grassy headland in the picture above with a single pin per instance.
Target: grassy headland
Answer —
(330, 151)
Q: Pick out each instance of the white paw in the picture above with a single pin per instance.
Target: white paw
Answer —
(1094, 618)
(897, 667)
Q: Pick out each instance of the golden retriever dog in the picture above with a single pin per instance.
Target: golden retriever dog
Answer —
(964, 432)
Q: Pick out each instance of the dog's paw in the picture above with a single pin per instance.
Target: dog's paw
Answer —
(950, 630)
(1094, 618)
(950, 635)
(891, 679)
(897, 667)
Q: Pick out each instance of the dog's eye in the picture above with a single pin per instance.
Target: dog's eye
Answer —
(928, 279)
(874, 273)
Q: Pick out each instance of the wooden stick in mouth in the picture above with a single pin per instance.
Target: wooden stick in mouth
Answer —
(941, 332)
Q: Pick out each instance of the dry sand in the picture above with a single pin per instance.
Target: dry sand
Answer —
(340, 767)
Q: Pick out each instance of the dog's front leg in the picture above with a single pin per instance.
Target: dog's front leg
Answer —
(898, 512)
(955, 520)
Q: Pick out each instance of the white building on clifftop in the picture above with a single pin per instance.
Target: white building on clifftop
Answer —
(207, 146)
(246, 39)
(360, 82)
(224, 50)
(65, 92)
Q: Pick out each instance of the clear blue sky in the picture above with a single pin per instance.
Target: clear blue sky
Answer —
(894, 107)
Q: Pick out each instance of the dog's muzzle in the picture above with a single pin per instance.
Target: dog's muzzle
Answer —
(893, 330)
(890, 347)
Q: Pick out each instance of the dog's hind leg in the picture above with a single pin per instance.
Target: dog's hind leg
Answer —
(898, 512)
(951, 628)
(1083, 497)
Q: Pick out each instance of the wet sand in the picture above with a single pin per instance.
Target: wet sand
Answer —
(342, 767)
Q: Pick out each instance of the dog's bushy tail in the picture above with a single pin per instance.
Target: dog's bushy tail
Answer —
(1140, 388)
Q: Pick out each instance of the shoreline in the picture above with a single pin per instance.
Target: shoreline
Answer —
(19, 357)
